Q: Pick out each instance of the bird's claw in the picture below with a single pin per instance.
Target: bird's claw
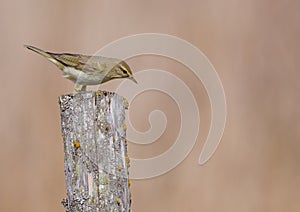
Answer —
(79, 88)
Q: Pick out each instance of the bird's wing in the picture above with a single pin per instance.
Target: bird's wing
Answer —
(88, 64)
(76, 61)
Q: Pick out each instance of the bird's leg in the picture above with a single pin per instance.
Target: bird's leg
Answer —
(79, 88)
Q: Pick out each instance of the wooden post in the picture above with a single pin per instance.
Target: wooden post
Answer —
(95, 151)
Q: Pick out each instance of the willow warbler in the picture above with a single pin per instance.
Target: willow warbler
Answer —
(86, 70)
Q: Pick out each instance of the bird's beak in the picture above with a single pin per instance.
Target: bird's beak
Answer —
(131, 78)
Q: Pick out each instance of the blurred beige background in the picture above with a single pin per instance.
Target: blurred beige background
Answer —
(254, 46)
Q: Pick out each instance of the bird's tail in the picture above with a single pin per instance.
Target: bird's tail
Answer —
(46, 55)
(39, 51)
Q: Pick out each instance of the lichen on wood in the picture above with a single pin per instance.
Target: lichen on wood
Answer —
(95, 151)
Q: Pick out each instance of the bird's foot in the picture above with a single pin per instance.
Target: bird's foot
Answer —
(79, 88)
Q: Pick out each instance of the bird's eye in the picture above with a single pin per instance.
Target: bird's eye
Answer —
(124, 71)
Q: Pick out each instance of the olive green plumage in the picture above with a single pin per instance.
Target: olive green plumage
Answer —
(86, 70)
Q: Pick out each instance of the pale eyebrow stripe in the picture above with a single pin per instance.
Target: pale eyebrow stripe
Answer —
(124, 68)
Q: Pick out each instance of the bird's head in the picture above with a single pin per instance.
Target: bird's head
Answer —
(122, 70)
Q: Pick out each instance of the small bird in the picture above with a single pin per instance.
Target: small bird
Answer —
(86, 70)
